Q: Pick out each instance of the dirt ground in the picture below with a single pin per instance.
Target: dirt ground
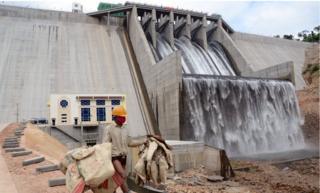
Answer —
(309, 106)
(255, 177)
(43, 143)
(293, 178)
(25, 178)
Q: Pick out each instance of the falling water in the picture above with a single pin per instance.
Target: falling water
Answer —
(242, 116)
(195, 60)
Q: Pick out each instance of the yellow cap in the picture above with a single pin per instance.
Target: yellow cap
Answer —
(119, 111)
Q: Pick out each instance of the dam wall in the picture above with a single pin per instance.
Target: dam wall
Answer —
(162, 80)
(51, 52)
(262, 52)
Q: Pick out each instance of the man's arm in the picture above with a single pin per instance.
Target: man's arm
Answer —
(134, 142)
(106, 135)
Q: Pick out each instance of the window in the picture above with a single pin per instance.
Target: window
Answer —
(112, 115)
(85, 102)
(115, 102)
(63, 103)
(85, 114)
(101, 114)
(100, 102)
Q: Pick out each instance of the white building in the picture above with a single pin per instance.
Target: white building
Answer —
(77, 8)
(83, 109)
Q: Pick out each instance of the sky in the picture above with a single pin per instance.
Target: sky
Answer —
(259, 17)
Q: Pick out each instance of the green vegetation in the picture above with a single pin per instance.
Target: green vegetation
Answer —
(305, 35)
(312, 69)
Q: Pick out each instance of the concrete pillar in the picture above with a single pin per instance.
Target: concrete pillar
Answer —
(168, 31)
(132, 16)
(219, 22)
(201, 34)
(108, 19)
(210, 29)
(187, 28)
(152, 28)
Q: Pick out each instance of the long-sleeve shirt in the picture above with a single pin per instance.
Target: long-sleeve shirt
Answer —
(118, 136)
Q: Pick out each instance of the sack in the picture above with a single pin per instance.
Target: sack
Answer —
(94, 164)
(74, 181)
(66, 161)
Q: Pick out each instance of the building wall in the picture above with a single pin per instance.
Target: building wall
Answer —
(73, 109)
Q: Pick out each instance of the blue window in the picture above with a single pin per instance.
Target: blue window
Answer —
(112, 115)
(85, 114)
(64, 103)
(85, 102)
(115, 102)
(101, 114)
(100, 102)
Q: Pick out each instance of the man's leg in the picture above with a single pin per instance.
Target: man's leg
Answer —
(119, 168)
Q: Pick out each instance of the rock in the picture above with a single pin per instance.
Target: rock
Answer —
(215, 178)
(285, 169)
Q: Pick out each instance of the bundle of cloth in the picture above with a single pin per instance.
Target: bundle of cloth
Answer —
(155, 159)
(90, 168)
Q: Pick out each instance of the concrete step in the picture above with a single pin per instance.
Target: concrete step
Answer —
(47, 168)
(34, 160)
(12, 137)
(57, 182)
(10, 146)
(18, 149)
(21, 153)
(8, 142)
(12, 141)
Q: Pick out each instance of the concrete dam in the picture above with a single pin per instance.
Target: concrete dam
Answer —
(186, 74)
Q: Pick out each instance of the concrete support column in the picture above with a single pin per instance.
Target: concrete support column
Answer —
(187, 28)
(201, 34)
(219, 22)
(151, 29)
(210, 29)
(108, 19)
(133, 15)
(168, 31)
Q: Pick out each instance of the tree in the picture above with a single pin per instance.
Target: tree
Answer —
(288, 37)
(305, 35)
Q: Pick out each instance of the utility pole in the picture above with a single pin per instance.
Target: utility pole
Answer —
(17, 112)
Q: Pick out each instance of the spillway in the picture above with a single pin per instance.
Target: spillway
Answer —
(242, 116)
(194, 59)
